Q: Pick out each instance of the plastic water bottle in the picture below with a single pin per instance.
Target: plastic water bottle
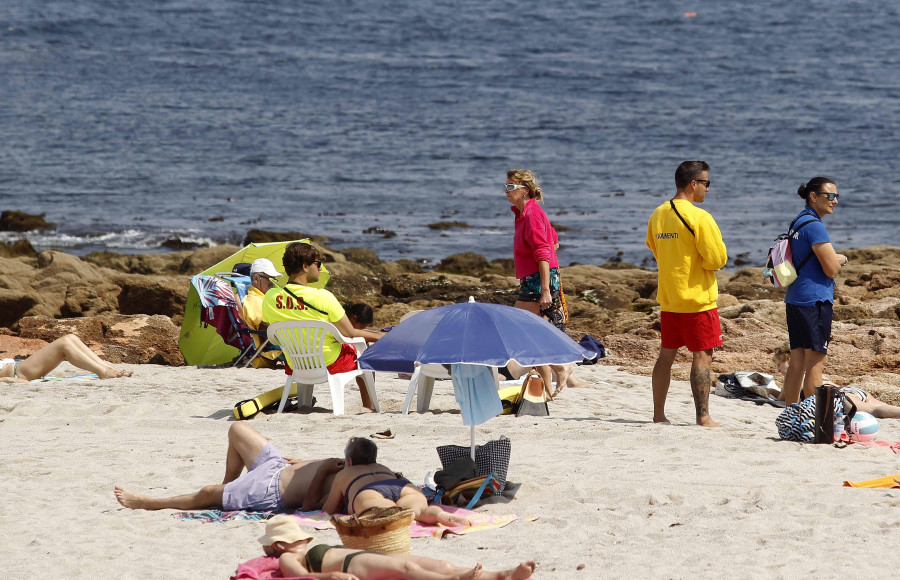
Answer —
(838, 425)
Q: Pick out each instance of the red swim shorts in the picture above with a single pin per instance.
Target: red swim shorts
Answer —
(346, 361)
(695, 330)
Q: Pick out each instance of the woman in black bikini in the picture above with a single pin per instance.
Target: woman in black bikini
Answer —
(363, 484)
(285, 539)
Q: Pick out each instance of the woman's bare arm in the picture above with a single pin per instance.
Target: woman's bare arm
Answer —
(831, 261)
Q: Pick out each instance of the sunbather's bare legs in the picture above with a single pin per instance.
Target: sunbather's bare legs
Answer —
(207, 498)
(244, 444)
(877, 408)
(67, 348)
(411, 567)
(410, 498)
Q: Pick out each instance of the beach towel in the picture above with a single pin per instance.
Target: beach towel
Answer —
(319, 520)
(894, 446)
(264, 568)
(888, 481)
(261, 568)
(87, 377)
(476, 393)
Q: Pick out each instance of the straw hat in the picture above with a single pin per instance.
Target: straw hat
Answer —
(283, 528)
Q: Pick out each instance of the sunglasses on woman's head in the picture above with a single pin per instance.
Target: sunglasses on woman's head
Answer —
(830, 196)
(513, 186)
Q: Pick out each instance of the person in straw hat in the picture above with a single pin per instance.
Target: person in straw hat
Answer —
(285, 539)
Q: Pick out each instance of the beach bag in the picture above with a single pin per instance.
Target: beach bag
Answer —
(780, 270)
(385, 530)
(797, 422)
(490, 458)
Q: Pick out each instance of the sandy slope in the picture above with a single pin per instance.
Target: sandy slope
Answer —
(622, 497)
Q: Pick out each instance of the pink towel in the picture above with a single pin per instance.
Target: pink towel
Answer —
(895, 447)
(261, 568)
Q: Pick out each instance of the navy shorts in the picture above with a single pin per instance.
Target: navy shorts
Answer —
(809, 327)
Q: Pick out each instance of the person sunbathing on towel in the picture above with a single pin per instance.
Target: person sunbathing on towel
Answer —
(863, 400)
(361, 483)
(272, 482)
(285, 539)
(68, 348)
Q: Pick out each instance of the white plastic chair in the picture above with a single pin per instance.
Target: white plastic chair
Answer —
(301, 341)
(423, 382)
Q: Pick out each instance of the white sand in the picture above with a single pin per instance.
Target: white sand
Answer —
(613, 493)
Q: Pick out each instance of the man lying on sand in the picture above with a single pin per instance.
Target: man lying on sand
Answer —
(285, 539)
(272, 482)
(362, 484)
(68, 348)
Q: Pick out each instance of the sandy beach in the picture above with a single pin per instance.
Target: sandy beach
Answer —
(605, 493)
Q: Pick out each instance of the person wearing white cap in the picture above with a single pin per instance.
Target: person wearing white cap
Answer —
(262, 273)
(285, 539)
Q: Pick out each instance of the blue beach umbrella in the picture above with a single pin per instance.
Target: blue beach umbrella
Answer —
(474, 333)
(466, 336)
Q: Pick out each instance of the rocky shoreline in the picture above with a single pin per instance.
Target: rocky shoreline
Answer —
(129, 307)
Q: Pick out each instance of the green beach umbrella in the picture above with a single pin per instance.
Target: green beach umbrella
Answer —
(200, 343)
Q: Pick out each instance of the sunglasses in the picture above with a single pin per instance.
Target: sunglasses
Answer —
(830, 196)
(705, 182)
(513, 186)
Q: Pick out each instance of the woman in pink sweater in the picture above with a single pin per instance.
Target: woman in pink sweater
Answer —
(534, 253)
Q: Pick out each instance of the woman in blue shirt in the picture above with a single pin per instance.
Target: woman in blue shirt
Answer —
(809, 300)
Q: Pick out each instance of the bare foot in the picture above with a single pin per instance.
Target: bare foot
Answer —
(707, 422)
(661, 419)
(114, 373)
(520, 572)
(128, 499)
(576, 383)
(562, 376)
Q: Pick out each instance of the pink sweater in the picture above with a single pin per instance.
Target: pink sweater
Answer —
(534, 240)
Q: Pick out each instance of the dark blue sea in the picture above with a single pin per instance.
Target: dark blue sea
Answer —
(133, 123)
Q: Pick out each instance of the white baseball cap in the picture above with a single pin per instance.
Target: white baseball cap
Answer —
(264, 266)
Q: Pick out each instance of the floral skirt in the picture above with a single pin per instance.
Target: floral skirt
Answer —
(530, 291)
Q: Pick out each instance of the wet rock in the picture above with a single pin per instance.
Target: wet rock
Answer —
(466, 263)
(448, 225)
(381, 231)
(265, 236)
(179, 244)
(19, 221)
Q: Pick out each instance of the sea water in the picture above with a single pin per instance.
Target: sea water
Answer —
(133, 123)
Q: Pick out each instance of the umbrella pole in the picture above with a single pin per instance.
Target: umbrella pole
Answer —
(473, 442)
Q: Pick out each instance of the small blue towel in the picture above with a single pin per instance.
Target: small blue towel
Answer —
(476, 393)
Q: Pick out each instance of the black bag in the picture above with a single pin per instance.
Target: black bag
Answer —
(492, 457)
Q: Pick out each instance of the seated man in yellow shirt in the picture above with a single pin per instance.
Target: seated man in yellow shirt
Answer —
(297, 301)
(262, 272)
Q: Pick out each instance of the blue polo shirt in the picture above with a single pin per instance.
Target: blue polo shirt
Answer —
(812, 284)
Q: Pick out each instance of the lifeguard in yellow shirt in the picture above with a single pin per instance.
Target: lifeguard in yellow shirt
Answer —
(297, 301)
(688, 248)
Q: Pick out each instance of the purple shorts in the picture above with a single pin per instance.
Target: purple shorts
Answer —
(259, 489)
